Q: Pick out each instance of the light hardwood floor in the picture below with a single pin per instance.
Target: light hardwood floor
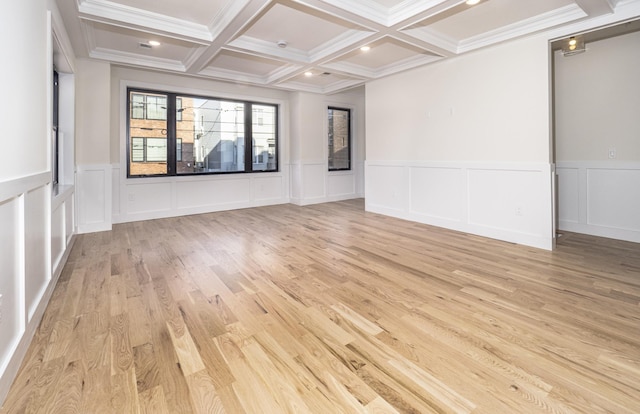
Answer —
(329, 309)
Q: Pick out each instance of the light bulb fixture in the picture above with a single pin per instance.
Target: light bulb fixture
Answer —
(472, 2)
(307, 74)
(154, 43)
(365, 48)
(573, 45)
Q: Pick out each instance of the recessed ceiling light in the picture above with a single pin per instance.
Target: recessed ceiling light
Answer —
(472, 2)
(154, 43)
(365, 48)
(308, 74)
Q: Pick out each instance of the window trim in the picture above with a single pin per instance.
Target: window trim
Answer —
(171, 131)
(349, 139)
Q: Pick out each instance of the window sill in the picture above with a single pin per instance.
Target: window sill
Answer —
(341, 172)
(59, 194)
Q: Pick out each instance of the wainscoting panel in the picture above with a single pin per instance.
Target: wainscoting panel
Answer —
(94, 198)
(295, 182)
(614, 198)
(12, 280)
(148, 197)
(600, 198)
(386, 188)
(508, 200)
(438, 193)
(37, 252)
(158, 197)
(115, 193)
(36, 234)
(569, 194)
(359, 178)
(212, 192)
(62, 226)
(505, 201)
(314, 182)
(341, 185)
(268, 188)
(58, 230)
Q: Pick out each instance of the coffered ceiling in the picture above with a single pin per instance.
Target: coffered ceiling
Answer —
(306, 45)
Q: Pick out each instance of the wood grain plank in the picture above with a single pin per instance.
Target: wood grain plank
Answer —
(152, 401)
(331, 309)
(203, 394)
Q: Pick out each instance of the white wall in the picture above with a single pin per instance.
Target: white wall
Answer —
(311, 180)
(464, 144)
(31, 250)
(93, 145)
(25, 115)
(597, 104)
(489, 105)
(24, 173)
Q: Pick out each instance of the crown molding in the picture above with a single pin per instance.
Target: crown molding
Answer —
(563, 15)
(235, 76)
(272, 77)
(61, 35)
(333, 88)
(335, 45)
(283, 72)
(133, 59)
(434, 38)
(105, 11)
(264, 48)
(390, 69)
(368, 9)
(408, 9)
(386, 16)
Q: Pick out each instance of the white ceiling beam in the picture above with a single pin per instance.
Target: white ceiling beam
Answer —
(104, 11)
(597, 7)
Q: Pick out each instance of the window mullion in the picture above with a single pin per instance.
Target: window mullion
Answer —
(171, 134)
(248, 137)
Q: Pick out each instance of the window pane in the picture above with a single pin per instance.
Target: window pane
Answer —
(148, 137)
(156, 150)
(156, 107)
(212, 134)
(137, 149)
(339, 139)
(179, 109)
(178, 149)
(264, 137)
(137, 106)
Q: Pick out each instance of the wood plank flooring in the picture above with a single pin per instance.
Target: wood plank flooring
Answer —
(329, 309)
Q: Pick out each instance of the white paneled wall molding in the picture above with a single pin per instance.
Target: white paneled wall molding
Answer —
(35, 245)
(94, 197)
(150, 198)
(600, 198)
(505, 201)
(323, 186)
